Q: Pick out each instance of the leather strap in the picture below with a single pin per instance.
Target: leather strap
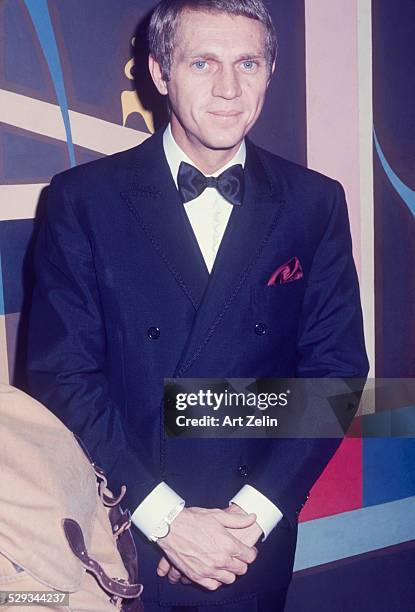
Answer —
(121, 522)
(76, 541)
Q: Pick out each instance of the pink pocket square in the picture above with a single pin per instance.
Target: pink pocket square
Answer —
(290, 271)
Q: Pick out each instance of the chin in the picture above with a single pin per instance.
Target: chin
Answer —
(224, 141)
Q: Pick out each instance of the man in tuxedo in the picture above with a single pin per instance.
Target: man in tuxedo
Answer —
(197, 254)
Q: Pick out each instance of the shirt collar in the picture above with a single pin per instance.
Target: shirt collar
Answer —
(175, 155)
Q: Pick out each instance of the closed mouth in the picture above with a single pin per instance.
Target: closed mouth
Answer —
(226, 113)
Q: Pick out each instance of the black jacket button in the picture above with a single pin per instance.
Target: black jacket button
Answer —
(243, 470)
(153, 333)
(261, 329)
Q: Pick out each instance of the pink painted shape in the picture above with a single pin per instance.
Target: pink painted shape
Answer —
(333, 145)
(339, 488)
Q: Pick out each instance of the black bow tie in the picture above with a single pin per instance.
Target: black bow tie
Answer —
(230, 184)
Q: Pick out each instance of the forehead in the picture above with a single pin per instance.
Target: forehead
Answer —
(219, 33)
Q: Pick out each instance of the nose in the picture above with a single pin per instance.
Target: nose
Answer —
(226, 84)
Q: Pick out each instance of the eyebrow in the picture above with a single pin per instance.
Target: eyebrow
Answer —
(240, 58)
(253, 56)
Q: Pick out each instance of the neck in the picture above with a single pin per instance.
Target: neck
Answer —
(207, 160)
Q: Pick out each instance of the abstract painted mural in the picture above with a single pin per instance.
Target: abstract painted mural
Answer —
(341, 102)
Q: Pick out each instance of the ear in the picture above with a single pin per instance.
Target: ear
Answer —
(157, 76)
(272, 72)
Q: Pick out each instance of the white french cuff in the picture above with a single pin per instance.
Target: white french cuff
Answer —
(155, 508)
(252, 501)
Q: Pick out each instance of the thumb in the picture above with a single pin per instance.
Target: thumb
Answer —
(163, 567)
(235, 520)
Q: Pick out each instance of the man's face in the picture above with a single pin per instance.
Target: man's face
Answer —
(218, 80)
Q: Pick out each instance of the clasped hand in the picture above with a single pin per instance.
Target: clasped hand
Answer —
(209, 547)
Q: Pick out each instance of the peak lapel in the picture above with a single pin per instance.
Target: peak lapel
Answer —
(249, 229)
(154, 202)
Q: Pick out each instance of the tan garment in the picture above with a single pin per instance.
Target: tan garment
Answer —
(45, 478)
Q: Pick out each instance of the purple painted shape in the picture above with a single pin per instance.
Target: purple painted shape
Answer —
(378, 581)
(394, 118)
(28, 157)
(23, 69)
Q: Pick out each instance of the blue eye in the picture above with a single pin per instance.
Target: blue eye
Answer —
(200, 65)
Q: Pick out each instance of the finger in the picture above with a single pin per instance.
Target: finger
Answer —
(185, 580)
(174, 575)
(211, 585)
(163, 567)
(235, 520)
(223, 576)
(246, 554)
(214, 571)
(227, 562)
(236, 566)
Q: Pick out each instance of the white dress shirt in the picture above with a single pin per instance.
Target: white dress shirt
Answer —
(208, 215)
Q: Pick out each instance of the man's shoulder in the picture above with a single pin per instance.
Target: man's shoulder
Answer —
(104, 169)
(294, 177)
(111, 170)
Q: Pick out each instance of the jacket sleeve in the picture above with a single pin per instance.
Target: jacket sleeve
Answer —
(67, 347)
(330, 345)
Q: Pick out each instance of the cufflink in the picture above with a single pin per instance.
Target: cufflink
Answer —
(162, 530)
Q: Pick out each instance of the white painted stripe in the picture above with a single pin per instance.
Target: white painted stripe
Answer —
(4, 362)
(354, 533)
(19, 201)
(44, 118)
(367, 267)
(103, 136)
(31, 114)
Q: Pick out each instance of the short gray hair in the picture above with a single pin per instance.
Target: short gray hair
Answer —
(163, 24)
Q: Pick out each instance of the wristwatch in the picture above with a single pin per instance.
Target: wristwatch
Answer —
(163, 528)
